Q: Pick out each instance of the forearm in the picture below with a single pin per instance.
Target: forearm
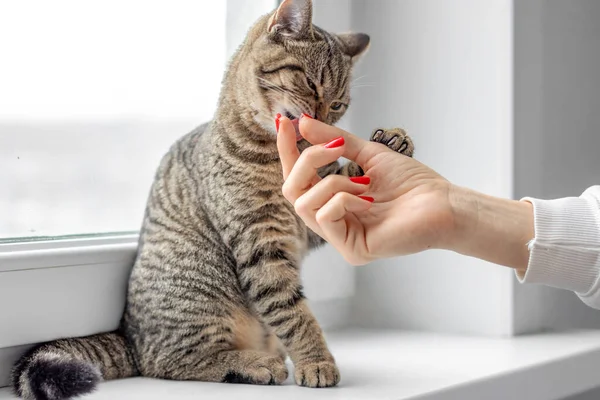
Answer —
(490, 228)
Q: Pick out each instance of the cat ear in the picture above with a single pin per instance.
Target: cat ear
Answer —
(293, 18)
(354, 44)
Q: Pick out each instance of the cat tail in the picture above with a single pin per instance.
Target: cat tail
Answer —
(68, 368)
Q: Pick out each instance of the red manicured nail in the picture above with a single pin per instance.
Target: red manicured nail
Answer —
(367, 198)
(307, 116)
(335, 143)
(277, 122)
(363, 180)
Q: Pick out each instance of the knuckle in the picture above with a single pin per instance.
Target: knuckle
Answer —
(287, 190)
(331, 183)
(313, 157)
(301, 207)
(355, 260)
(308, 154)
(322, 216)
(342, 197)
(351, 260)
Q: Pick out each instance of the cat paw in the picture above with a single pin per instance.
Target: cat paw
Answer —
(268, 370)
(395, 139)
(317, 374)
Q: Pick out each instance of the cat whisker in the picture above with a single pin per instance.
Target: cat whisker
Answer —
(357, 79)
(362, 85)
(271, 85)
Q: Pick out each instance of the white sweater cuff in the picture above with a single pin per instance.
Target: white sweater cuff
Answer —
(566, 250)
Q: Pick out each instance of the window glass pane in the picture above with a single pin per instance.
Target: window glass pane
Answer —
(92, 94)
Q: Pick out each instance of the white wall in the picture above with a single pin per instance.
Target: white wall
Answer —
(441, 70)
(557, 130)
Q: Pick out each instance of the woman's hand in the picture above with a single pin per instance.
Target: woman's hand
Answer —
(404, 209)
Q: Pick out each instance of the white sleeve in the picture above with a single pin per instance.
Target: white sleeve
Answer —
(566, 250)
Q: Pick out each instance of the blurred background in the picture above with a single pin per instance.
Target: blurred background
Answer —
(91, 95)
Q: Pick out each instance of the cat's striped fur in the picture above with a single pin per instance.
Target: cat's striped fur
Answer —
(215, 293)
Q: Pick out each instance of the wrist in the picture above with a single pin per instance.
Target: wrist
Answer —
(464, 210)
(490, 228)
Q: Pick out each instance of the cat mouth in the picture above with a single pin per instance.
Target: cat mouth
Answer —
(294, 121)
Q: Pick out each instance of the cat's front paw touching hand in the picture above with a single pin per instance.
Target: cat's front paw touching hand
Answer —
(395, 139)
(317, 374)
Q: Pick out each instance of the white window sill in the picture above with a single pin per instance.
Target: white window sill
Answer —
(402, 365)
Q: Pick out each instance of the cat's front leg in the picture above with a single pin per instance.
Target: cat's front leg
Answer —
(269, 274)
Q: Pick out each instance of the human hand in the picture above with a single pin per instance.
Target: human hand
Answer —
(410, 211)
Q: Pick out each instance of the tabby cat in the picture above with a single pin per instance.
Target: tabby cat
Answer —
(215, 293)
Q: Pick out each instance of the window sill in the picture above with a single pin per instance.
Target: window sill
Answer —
(410, 365)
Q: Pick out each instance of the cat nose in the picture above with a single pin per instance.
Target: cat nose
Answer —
(322, 112)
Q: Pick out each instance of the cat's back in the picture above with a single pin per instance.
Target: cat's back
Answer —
(182, 159)
(173, 202)
(176, 227)
(185, 147)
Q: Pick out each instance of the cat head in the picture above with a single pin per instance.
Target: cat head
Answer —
(289, 66)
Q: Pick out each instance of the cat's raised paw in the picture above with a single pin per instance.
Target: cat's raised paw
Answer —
(395, 139)
(317, 374)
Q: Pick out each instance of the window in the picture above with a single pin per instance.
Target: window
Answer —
(92, 95)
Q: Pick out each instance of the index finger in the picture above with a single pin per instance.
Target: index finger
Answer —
(286, 145)
(356, 149)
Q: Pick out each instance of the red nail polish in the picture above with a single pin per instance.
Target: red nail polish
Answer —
(363, 180)
(307, 116)
(277, 122)
(367, 198)
(335, 143)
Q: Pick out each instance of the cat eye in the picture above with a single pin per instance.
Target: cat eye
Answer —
(337, 105)
(274, 69)
(311, 84)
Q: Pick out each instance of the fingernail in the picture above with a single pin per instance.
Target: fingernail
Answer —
(277, 122)
(363, 180)
(335, 143)
(367, 198)
(306, 116)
